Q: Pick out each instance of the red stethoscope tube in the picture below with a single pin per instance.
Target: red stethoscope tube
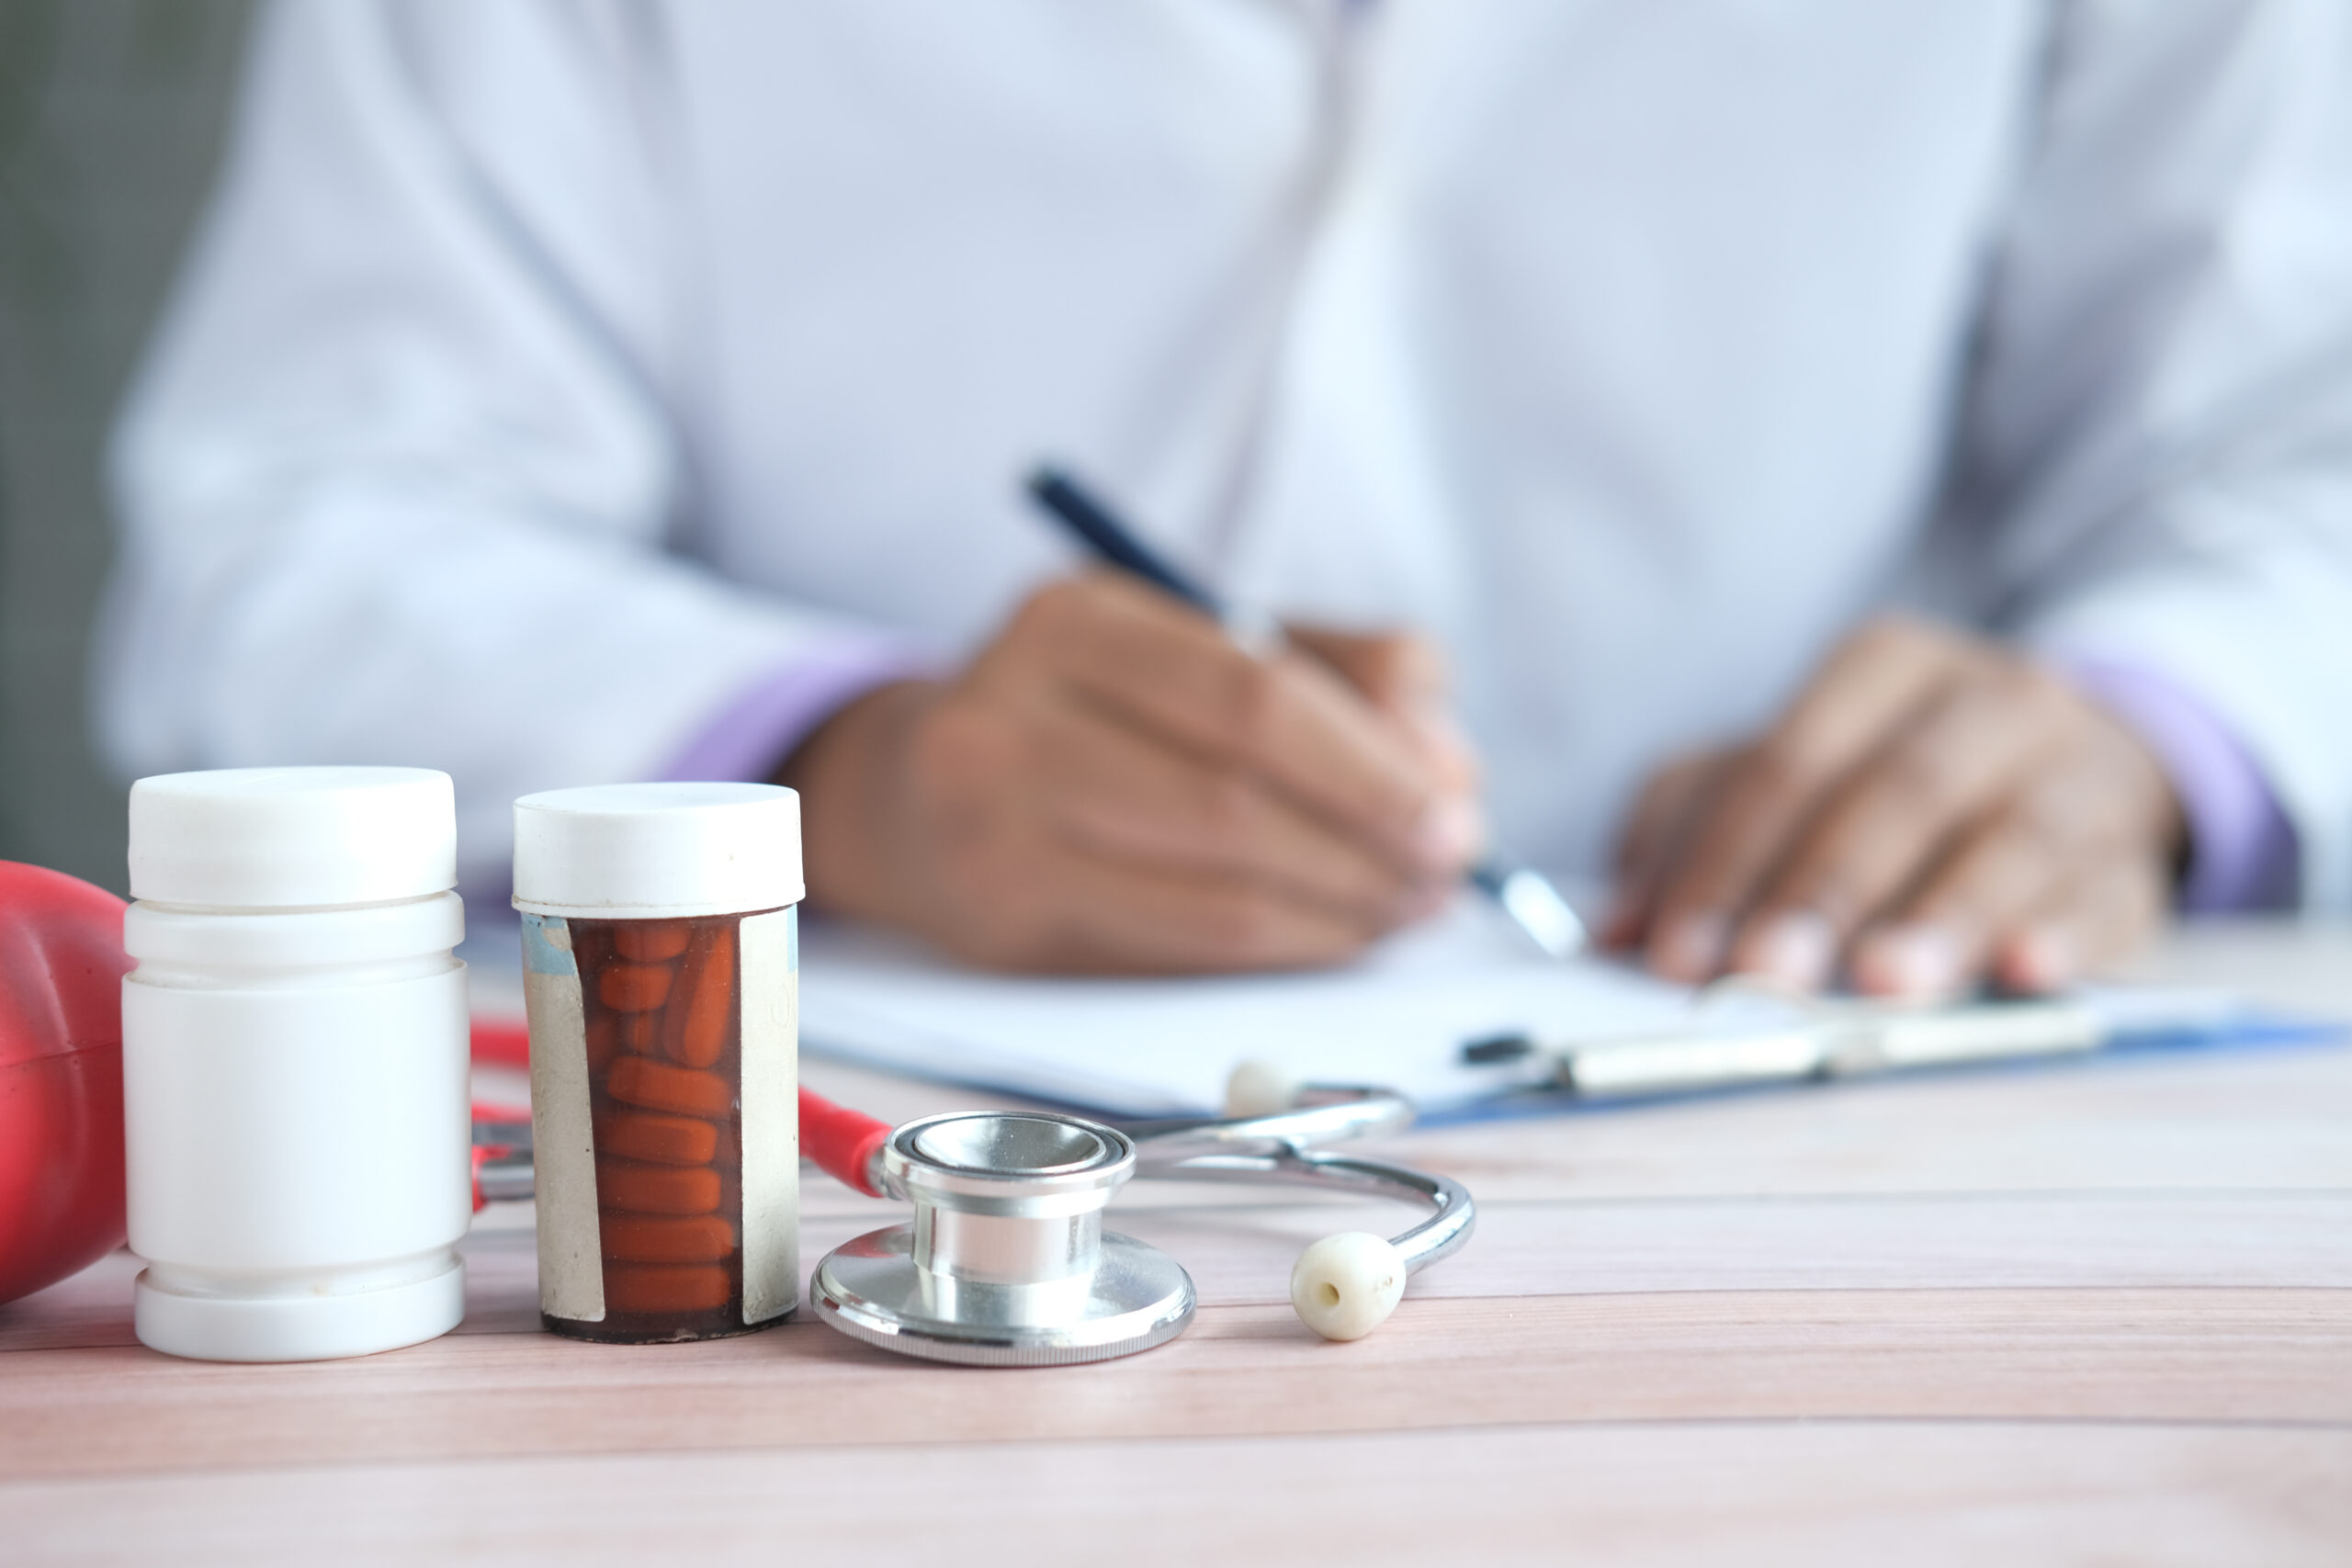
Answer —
(843, 1142)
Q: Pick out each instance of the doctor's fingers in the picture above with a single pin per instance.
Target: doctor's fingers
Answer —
(1393, 669)
(1868, 687)
(2093, 920)
(1404, 676)
(1067, 910)
(1946, 932)
(1167, 669)
(1122, 794)
(2030, 895)
(1961, 757)
(1672, 801)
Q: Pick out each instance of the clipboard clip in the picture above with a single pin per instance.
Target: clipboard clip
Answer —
(1744, 1033)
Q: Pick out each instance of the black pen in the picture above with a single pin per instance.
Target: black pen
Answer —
(1527, 896)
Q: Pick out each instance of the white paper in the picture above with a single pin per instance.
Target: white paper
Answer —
(1166, 1047)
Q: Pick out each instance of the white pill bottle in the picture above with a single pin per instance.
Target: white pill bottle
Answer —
(295, 1072)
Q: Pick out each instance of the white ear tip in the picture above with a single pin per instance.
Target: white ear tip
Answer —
(1259, 1088)
(1346, 1285)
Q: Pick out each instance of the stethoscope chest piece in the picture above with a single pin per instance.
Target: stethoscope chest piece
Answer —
(1006, 1262)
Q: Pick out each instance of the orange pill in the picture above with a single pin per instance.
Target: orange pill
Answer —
(693, 1027)
(657, 1086)
(639, 1031)
(643, 1238)
(633, 988)
(664, 1287)
(656, 1188)
(604, 1041)
(651, 942)
(664, 1140)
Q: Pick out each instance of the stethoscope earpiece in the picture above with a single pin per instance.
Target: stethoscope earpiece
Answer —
(1345, 1286)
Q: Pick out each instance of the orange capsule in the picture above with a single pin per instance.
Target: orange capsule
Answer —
(604, 1041)
(664, 1287)
(657, 1086)
(664, 1140)
(633, 988)
(646, 1238)
(656, 1188)
(650, 941)
(639, 1031)
(694, 1026)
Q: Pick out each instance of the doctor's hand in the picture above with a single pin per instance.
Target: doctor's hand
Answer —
(1113, 785)
(1930, 811)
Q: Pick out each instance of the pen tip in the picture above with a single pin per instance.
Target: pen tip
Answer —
(1536, 907)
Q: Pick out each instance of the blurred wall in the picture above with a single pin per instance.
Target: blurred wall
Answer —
(111, 116)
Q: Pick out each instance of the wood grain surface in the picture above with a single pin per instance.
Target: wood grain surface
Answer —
(2098, 1314)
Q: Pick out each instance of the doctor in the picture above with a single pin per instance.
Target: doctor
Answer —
(1876, 479)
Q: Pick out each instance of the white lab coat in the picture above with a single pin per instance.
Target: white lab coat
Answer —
(549, 374)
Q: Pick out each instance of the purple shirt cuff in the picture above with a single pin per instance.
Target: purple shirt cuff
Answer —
(2243, 852)
(749, 740)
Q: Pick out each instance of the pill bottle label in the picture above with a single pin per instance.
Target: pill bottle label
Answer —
(665, 1123)
(564, 1155)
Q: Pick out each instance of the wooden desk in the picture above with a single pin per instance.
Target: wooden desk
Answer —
(2080, 1314)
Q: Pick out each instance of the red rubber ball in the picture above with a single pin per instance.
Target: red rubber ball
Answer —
(60, 1077)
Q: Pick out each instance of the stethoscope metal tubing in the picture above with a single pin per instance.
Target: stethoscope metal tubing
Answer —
(1439, 1236)
(1329, 1116)
(1277, 1147)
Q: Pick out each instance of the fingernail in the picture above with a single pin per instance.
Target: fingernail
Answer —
(1795, 949)
(1448, 835)
(1691, 947)
(1915, 960)
(2042, 960)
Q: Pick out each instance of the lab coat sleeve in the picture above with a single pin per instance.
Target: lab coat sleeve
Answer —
(399, 480)
(2158, 442)
(753, 736)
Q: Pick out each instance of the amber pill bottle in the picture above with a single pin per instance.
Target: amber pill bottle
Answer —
(661, 958)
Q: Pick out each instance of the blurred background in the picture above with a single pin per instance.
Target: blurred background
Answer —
(111, 118)
(112, 122)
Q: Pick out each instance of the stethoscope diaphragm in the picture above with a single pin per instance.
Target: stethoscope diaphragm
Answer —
(1005, 1262)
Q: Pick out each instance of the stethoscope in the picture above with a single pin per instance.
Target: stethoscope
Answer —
(1005, 1261)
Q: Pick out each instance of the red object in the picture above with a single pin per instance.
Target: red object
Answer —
(841, 1142)
(61, 1075)
(502, 1045)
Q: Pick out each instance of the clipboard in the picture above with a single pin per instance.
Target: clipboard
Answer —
(1584, 1036)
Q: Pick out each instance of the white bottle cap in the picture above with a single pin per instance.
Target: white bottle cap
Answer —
(657, 850)
(292, 837)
